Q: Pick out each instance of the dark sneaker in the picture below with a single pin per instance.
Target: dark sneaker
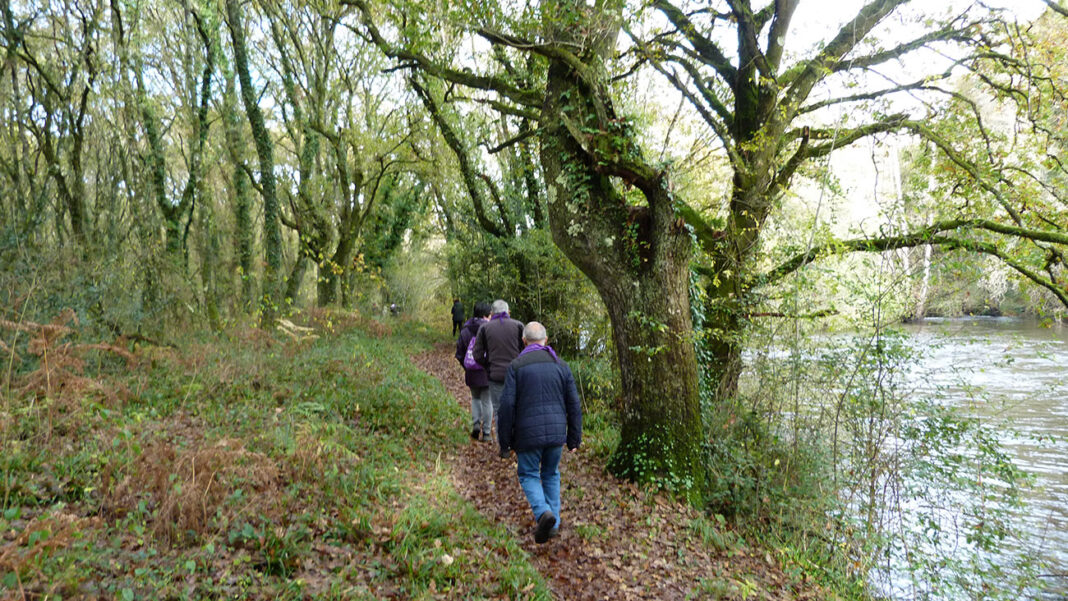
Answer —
(546, 521)
(555, 532)
(474, 433)
(487, 437)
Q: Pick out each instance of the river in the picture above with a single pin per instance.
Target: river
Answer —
(1021, 369)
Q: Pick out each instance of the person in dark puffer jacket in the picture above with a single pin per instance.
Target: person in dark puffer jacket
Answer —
(540, 412)
(476, 379)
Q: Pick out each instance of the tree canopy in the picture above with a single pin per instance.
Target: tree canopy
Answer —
(217, 148)
(775, 111)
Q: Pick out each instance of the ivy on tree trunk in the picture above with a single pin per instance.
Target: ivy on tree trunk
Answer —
(272, 231)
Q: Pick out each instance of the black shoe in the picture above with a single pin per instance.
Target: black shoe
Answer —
(487, 437)
(474, 433)
(555, 532)
(546, 521)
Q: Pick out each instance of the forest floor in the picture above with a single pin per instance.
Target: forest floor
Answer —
(616, 542)
(328, 462)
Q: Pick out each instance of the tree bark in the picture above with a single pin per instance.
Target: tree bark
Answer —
(638, 259)
(296, 279)
(272, 232)
(243, 235)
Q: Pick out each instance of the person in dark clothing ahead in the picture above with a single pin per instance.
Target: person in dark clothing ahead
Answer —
(540, 413)
(457, 315)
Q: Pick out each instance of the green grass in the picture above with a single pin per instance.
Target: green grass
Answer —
(250, 467)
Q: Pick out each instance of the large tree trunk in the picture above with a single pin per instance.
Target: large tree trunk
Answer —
(638, 257)
(662, 431)
(723, 329)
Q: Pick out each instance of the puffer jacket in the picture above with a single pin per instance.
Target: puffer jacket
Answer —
(475, 378)
(539, 405)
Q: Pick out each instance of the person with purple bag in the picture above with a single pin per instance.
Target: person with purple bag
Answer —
(475, 375)
(540, 412)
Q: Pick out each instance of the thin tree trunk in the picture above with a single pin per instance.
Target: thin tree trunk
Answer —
(920, 311)
(243, 234)
(272, 232)
(209, 269)
(894, 161)
(296, 278)
(157, 168)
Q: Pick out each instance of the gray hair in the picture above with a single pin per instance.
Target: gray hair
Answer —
(534, 332)
(499, 306)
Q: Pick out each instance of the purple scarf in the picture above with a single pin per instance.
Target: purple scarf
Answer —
(540, 347)
(501, 315)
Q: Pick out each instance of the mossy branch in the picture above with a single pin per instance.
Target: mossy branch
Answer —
(930, 235)
(500, 85)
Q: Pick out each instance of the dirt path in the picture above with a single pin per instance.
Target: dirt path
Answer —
(616, 542)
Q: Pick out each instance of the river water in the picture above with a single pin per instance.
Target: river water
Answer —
(1019, 370)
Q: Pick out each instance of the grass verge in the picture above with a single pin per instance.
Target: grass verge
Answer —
(253, 465)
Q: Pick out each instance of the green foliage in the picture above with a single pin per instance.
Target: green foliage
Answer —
(598, 386)
(714, 533)
(538, 282)
(654, 457)
(385, 231)
(233, 466)
(929, 492)
(110, 293)
(414, 281)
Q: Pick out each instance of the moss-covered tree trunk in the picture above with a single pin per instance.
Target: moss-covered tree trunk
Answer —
(272, 231)
(662, 433)
(243, 234)
(334, 271)
(155, 154)
(637, 255)
(331, 272)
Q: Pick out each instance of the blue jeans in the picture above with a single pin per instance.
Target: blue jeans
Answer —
(539, 476)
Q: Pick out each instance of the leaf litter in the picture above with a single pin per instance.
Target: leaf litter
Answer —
(616, 541)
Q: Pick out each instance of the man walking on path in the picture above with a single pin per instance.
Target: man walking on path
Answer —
(476, 379)
(497, 343)
(539, 413)
(457, 315)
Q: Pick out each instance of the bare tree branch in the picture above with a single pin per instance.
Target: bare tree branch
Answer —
(500, 85)
(802, 78)
(1056, 6)
(709, 52)
(863, 62)
(921, 84)
(467, 170)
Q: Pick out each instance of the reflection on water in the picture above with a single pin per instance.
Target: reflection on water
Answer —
(1021, 369)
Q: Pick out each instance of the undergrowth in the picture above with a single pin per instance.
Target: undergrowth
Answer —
(764, 494)
(245, 465)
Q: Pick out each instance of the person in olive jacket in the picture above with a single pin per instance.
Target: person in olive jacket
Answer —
(540, 413)
(476, 379)
(497, 343)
